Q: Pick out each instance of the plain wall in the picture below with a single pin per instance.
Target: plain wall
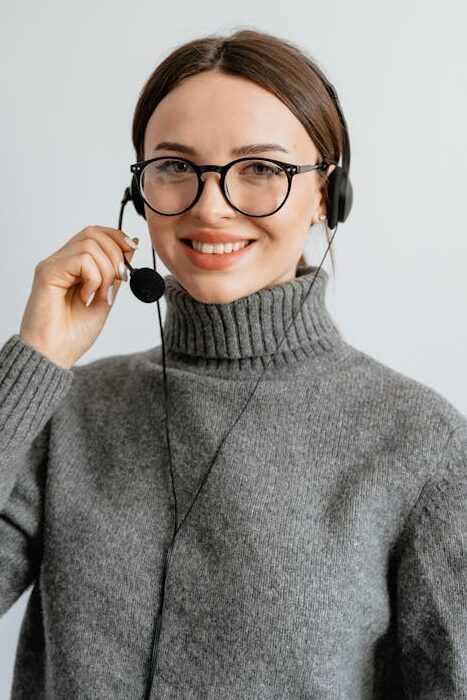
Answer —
(71, 75)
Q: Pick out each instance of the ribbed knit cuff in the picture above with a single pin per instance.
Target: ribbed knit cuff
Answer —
(31, 386)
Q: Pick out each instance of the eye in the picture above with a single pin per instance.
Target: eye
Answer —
(173, 166)
(262, 169)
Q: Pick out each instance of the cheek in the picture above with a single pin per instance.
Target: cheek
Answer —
(306, 202)
(297, 212)
(161, 230)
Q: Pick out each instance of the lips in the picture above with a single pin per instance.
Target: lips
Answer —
(214, 261)
(214, 237)
(189, 242)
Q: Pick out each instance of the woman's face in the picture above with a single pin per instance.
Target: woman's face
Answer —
(213, 114)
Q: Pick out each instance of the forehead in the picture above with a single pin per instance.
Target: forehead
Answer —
(213, 111)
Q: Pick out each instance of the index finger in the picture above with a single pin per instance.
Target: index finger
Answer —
(117, 234)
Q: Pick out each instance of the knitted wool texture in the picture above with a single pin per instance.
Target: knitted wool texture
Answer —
(324, 556)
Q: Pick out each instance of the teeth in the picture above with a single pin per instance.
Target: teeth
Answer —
(218, 248)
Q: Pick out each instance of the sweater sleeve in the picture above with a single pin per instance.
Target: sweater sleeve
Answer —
(31, 386)
(432, 583)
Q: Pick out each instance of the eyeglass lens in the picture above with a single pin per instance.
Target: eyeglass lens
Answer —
(254, 186)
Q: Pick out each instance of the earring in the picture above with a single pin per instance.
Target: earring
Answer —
(322, 217)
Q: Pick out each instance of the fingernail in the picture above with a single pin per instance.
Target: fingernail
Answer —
(130, 242)
(90, 298)
(110, 295)
(122, 271)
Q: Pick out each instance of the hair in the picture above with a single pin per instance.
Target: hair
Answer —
(265, 60)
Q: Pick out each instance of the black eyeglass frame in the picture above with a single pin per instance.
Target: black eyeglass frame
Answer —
(289, 168)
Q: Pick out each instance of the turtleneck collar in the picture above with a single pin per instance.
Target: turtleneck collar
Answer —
(250, 328)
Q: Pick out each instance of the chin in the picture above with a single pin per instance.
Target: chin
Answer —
(214, 291)
(214, 296)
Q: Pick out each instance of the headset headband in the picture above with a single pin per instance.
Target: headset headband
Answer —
(333, 93)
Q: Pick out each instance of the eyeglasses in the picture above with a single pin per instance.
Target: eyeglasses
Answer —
(252, 186)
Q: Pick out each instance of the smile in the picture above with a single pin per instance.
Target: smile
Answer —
(216, 256)
(218, 248)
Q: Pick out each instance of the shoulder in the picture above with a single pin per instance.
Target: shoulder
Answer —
(113, 366)
(112, 380)
(372, 383)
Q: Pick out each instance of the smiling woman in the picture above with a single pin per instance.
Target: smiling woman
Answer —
(213, 101)
(220, 113)
(297, 537)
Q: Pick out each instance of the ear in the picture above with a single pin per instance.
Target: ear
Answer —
(321, 209)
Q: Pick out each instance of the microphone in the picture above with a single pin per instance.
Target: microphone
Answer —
(146, 284)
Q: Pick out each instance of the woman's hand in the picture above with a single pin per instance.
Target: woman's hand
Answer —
(56, 321)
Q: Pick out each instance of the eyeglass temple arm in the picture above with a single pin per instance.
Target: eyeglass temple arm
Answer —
(306, 168)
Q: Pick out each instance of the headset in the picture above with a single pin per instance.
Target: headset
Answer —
(149, 286)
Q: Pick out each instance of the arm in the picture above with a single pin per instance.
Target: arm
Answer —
(31, 386)
(432, 583)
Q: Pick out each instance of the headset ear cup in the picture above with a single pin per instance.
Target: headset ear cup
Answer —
(136, 197)
(333, 190)
(346, 201)
(340, 196)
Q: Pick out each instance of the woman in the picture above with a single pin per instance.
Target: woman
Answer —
(323, 555)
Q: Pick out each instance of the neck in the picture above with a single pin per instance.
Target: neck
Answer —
(246, 332)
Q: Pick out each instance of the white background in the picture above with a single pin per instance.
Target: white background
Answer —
(71, 74)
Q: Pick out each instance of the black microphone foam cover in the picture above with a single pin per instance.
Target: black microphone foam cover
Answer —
(146, 284)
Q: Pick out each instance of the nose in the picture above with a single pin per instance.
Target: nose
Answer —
(212, 205)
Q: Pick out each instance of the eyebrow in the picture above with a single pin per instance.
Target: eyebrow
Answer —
(240, 151)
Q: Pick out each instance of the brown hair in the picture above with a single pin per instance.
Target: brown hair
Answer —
(265, 60)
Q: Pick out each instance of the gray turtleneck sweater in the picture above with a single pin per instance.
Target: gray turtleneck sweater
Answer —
(324, 556)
